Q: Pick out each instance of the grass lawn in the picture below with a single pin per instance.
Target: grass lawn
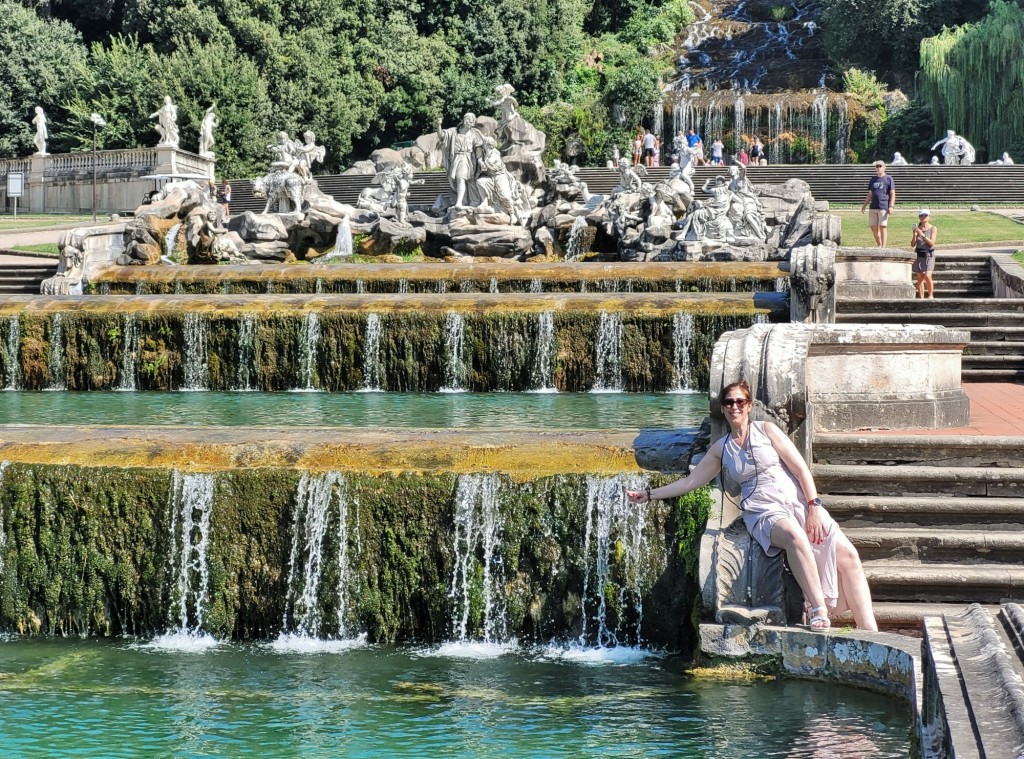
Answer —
(955, 227)
(47, 248)
(41, 220)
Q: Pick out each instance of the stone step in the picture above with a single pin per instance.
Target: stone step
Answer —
(905, 617)
(974, 291)
(989, 335)
(928, 450)
(961, 275)
(953, 319)
(898, 480)
(982, 582)
(27, 288)
(941, 511)
(987, 361)
(992, 375)
(994, 348)
(931, 544)
(965, 306)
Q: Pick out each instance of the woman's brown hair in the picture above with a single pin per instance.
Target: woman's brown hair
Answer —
(742, 386)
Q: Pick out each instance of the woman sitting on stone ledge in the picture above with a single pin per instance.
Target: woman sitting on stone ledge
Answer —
(778, 513)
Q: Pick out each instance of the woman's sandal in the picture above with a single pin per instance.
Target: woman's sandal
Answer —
(819, 619)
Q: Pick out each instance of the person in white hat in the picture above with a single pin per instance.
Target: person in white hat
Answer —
(923, 243)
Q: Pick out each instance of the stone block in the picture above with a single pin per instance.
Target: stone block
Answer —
(260, 227)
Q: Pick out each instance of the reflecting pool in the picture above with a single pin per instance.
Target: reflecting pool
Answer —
(93, 698)
(427, 410)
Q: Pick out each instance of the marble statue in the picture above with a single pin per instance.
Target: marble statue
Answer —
(629, 177)
(462, 147)
(282, 153)
(282, 186)
(167, 123)
(659, 214)
(498, 188)
(709, 220)
(616, 155)
(745, 211)
(403, 182)
(1003, 160)
(381, 196)
(935, 160)
(619, 217)
(564, 174)
(898, 160)
(956, 151)
(307, 153)
(41, 133)
(210, 122)
(508, 106)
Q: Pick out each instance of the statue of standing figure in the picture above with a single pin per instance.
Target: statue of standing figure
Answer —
(956, 151)
(167, 123)
(210, 122)
(41, 133)
(462, 147)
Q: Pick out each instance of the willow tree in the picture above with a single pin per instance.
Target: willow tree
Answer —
(972, 78)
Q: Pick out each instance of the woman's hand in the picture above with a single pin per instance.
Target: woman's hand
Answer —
(812, 523)
(639, 496)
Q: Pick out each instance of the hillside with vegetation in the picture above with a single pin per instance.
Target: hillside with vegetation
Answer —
(366, 73)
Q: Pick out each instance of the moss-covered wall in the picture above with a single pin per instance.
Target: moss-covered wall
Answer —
(89, 551)
(499, 349)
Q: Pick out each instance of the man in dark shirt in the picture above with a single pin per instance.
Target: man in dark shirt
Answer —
(881, 198)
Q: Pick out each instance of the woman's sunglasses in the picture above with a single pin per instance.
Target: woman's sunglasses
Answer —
(738, 402)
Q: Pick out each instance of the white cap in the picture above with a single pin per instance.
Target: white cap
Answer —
(923, 212)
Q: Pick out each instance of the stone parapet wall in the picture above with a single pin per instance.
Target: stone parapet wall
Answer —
(1007, 277)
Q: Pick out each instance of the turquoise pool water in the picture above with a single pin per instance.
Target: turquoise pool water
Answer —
(101, 699)
(431, 410)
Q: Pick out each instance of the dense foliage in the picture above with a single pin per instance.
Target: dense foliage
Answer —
(360, 74)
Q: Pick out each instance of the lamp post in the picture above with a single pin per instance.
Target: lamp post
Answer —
(97, 123)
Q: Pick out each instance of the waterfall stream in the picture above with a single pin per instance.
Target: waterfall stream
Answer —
(682, 342)
(574, 243)
(129, 348)
(308, 349)
(477, 539)
(55, 358)
(312, 518)
(614, 528)
(3, 525)
(12, 353)
(454, 362)
(247, 368)
(197, 370)
(608, 354)
(373, 366)
(542, 371)
(191, 506)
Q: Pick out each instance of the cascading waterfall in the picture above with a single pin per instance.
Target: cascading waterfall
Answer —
(682, 342)
(477, 540)
(492, 286)
(12, 353)
(574, 244)
(442, 286)
(373, 365)
(55, 359)
(308, 349)
(191, 506)
(140, 288)
(343, 243)
(782, 284)
(454, 342)
(544, 353)
(739, 121)
(614, 529)
(536, 286)
(819, 122)
(403, 286)
(247, 369)
(608, 354)
(169, 243)
(129, 353)
(316, 492)
(658, 117)
(197, 369)
(842, 130)
(360, 287)
(318, 287)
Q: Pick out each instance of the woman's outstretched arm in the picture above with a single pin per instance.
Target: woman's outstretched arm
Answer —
(702, 474)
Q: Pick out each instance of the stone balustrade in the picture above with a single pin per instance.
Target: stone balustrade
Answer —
(63, 182)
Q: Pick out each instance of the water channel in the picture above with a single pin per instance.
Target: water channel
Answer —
(92, 698)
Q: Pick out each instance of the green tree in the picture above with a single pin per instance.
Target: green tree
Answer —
(44, 63)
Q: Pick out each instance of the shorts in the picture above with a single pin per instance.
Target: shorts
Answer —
(649, 151)
(878, 217)
(923, 264)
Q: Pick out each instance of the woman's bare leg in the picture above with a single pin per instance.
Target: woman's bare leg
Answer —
(788, 535)
(854, 584)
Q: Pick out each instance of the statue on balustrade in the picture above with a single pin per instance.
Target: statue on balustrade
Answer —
(462, 147)
(210, 122)
(167, 123)
(41, 132)
(956, 151)
(1003, 160)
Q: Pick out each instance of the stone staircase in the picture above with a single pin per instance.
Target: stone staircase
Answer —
(25, 278)
(938, 519)
(963, 300)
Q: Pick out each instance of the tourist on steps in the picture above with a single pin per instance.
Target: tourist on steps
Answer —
(781, 511)
(923, 243)
(880, 202)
